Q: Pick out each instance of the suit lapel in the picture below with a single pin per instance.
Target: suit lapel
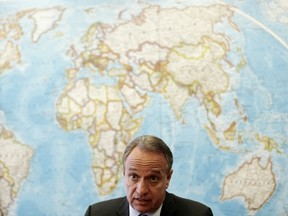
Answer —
(169, 206)
(123, 209)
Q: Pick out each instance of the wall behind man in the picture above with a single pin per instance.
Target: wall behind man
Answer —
(79, 80)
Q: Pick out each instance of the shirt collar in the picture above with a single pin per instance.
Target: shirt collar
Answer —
(133, 212)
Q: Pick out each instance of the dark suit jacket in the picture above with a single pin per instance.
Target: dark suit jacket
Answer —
(172, 206)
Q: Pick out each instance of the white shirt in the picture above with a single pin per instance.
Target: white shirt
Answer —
(133, 212)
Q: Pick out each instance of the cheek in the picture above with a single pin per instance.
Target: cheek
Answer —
(126, 186)
(129, 189)
(158, 190)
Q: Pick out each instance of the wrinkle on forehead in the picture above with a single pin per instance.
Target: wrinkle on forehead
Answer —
(153, 166)
(139, 159)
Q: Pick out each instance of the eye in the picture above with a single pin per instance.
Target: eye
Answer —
(133, 177)
(154, 179)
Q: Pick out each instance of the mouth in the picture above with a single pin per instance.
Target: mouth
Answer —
(141, 200)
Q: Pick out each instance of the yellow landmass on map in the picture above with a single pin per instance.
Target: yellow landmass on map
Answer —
(101, 112)
(252, 181)
(9, 56)
(11, 31)
(268, 142)
(15, 160)
(45, 20)
(192, 57)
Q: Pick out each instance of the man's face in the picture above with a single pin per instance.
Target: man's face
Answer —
(146, 179)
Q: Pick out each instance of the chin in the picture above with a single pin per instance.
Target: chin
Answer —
(142, 208)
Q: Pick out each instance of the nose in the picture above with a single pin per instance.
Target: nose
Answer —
(142, 187)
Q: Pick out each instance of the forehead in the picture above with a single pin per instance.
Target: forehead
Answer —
(140, 159)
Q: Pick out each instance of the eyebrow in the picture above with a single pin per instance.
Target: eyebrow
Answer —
(158, 171)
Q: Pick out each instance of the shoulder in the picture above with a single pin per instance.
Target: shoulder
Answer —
(107, 207)
(188, 202)
(184, 206)
(112, 202)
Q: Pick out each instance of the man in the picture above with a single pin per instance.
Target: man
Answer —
(147, 169)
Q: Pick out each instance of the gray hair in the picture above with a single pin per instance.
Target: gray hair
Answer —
(150, 144)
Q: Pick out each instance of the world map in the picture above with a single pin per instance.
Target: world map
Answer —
(80, 79)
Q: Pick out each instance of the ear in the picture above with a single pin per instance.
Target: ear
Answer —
(123, 171)
(169, 176)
